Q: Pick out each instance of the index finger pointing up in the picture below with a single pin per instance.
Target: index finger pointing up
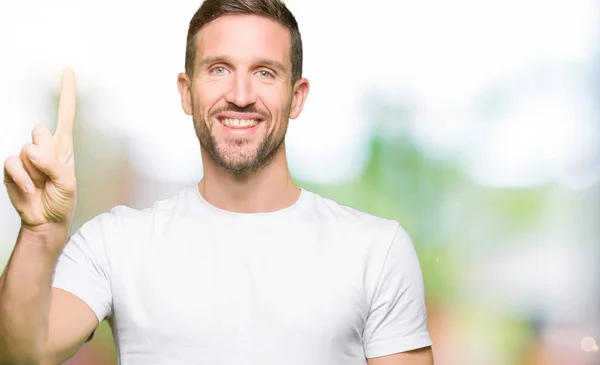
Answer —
(66, 105)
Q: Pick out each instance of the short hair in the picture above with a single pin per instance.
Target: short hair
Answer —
(272, 9)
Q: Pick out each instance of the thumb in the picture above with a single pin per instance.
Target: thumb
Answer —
(46, 164)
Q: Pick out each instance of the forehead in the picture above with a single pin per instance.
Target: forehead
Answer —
(244, 37)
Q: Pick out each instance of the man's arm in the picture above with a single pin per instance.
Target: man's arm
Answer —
(396, 326)
(422, 356)
(39, 324)
(72, 322)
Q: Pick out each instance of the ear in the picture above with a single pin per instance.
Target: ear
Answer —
(184, 86)
(301, 88)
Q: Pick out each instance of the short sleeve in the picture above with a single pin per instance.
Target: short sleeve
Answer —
(397, 320)
(82, 267)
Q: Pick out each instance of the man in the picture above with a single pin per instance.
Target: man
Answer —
(245, 267)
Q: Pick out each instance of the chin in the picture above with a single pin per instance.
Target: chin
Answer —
(236, 160)
(240, 168)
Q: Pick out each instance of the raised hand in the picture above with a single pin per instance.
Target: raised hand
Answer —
(41, 181)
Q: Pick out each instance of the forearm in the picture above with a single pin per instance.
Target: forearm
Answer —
(25, 289)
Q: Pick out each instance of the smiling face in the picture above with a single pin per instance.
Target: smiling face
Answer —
(241, 94)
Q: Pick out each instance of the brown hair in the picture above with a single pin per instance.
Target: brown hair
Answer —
(272, 9)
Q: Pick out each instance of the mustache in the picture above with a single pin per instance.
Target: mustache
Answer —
(230, 107)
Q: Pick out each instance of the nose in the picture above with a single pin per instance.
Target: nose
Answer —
(241, 91)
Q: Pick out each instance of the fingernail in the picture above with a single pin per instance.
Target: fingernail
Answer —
(29, 189)
(32, 153)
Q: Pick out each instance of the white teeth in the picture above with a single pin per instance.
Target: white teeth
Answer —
(239, 122)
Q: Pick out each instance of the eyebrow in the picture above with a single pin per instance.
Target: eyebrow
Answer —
(276, 65)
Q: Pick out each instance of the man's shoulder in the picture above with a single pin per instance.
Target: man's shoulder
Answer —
(125, 214)
(330, 210)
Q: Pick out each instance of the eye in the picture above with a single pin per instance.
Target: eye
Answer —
(265, 74)
(219, 70)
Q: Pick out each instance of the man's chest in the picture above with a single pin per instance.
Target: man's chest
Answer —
(244, 295)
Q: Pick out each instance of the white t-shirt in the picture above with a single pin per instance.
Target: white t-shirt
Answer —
(187, 283)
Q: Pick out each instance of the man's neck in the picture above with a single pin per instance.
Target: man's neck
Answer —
(267, 190)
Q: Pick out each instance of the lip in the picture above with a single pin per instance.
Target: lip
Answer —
(241, 116)
(230, 127)
(238, 131)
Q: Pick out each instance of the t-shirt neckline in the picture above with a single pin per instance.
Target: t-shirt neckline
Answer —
(301, 201)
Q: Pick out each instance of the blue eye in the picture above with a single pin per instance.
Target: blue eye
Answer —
(264, 73)
(218, 70)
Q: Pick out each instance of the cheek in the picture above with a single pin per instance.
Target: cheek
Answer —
(277, 100)
(207, 94)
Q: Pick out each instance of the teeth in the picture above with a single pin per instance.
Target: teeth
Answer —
(239, 122)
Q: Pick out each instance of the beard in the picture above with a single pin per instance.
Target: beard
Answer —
(240, 156)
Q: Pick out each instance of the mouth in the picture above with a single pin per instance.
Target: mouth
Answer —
(239, 123)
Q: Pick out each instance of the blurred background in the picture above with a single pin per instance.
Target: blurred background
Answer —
(475, 124)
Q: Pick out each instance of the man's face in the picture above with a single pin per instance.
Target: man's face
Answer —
(241, 94)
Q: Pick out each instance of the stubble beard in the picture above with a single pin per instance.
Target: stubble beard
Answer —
(238, 156)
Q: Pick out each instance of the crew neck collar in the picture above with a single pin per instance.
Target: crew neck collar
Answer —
(297, 205)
